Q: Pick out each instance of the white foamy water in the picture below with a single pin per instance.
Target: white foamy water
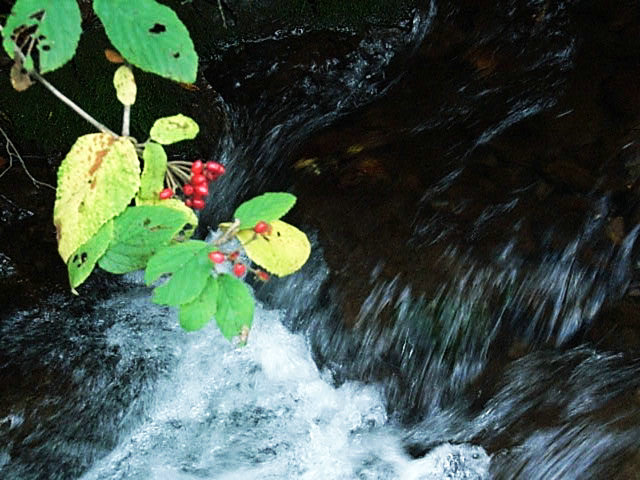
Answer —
(265, 411)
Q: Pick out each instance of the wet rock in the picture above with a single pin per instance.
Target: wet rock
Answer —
(630, 470)
(506, 218)
(621, 92)
(618, 328)
(571, 175)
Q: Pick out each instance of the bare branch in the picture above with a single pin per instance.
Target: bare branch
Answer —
(12, 151)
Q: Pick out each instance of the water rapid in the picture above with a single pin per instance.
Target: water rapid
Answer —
(454, 345)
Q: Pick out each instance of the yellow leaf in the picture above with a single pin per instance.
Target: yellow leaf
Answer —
(96, 181)
(125, 85)
(282, 252)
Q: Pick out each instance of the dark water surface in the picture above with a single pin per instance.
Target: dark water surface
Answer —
(467, 179)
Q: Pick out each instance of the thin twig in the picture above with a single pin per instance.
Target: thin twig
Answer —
(63, 97)
(13, 153)
(233, 228)
(171, 183)
(126, 118)
(72, 105)
(179, 171)
(224, 20)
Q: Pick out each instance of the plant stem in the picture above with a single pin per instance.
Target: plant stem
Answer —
(72, 105)
(126, 117)
(224, 20)
(63, 97)
(13, 152)
(233, 228)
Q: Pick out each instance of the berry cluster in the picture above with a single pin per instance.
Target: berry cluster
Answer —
(198, 187)
(239, 269)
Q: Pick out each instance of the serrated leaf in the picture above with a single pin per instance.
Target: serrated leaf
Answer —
(58, 30)
(153, 172)
(152, 182)
(96, 181)
(168, 130)
(189, 267)
(82, 261)
(150, 36)
(196, 314)
(176, 204)
(125, 85)
(282, 252)
(138, 233)
(235, 306)
(266, 207)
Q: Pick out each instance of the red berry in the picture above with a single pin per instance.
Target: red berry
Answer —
(216, 257)
(239, 269)
(261, 227)
(188, 202)
(198, 203)
(198, 179)
(202, 190)
(215, 168)
(187, 189)
(233, 256)
(262, 275)
(166, 193)
(211, 176)
(196, 167)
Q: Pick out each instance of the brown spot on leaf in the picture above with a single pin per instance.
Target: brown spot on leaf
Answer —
(96, 165)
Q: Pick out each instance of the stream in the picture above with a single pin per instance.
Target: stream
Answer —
(442, 328)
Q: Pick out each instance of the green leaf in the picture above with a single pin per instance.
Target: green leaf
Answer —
(138, 233)
(174, 129)
(281, 252)
(96, 181)
(125, 84)
(152, 182)
(190, 268)
(266, 207)
(235, 306)
(153, 172)
(83, 260)
(196, 314)
(58, 30)
(150, 36)
(176, 204)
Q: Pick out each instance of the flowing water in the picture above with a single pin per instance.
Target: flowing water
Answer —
(109, 387)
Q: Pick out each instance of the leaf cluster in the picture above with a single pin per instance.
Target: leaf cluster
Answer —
(108, 210)
(147, 34)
